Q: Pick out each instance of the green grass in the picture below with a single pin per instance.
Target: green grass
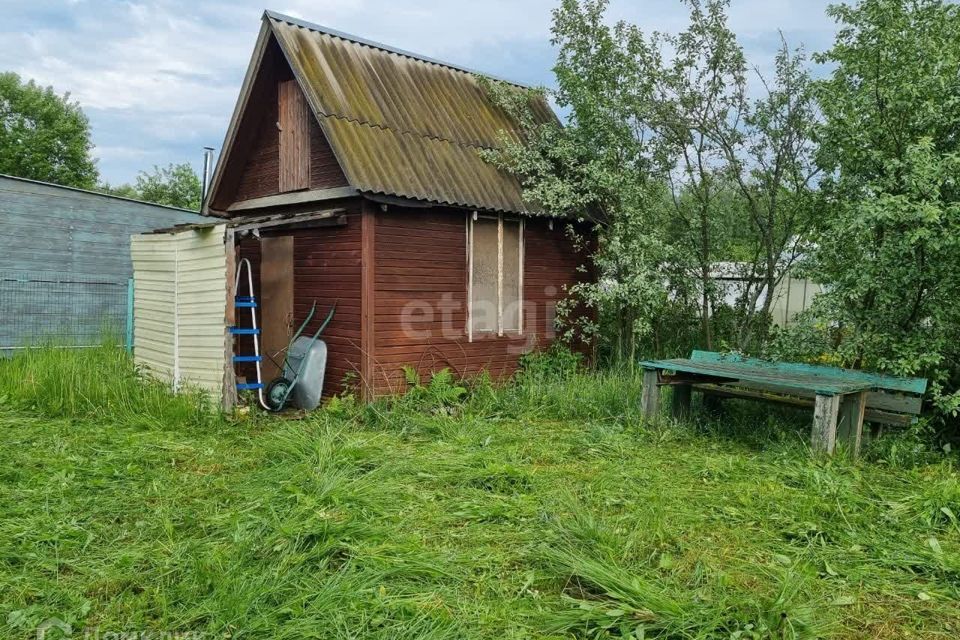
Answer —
(543, 509)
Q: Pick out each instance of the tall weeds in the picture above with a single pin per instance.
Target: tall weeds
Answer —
(99, 382)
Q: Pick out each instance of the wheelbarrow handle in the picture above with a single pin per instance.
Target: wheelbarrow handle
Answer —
(326, 320)
(313, 340)
(303, 326)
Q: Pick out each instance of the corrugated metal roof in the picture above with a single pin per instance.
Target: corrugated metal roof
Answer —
(402, 124)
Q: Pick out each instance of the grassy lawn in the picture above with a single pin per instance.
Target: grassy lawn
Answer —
(544, 509)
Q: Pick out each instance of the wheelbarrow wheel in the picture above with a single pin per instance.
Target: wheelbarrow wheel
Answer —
(278, 391)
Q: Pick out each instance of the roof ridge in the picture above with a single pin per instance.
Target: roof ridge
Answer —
(311, 26)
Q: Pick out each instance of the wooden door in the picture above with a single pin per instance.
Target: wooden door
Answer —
(276, 286)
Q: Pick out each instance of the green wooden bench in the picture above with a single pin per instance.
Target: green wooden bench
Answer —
(842, 399)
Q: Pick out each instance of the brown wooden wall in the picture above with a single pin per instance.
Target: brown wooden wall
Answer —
(327, 265)
(254, 171)
(418, 295)
(421, 295)
(261, 175)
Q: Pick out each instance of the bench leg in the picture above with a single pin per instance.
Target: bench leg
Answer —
(680, 402)
(650, 398)
(824, 436)
(850, 421)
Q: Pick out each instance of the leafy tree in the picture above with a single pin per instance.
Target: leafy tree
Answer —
(889, 245)
(176, 185)
(600, 165)
(673, 163)
(702, 96)
(43, 135)
(771, 159)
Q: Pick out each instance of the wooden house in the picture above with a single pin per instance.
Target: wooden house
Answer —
(362, 164)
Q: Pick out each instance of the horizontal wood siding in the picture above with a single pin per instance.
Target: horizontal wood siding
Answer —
(255, 170)
(421, 296)
(325, 171)
(326, 267)
(261, 172)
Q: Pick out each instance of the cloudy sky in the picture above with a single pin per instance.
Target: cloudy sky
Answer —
(158, 78)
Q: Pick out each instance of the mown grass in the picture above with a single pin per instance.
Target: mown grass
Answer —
(542, 509)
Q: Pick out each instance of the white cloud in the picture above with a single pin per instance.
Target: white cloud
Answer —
(161, 76)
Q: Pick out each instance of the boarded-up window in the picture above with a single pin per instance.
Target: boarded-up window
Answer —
(294, 126)
(496, 275)
(510, 287)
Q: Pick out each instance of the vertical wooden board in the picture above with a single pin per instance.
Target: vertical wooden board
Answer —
(229, 395)
(276, 299)
(294, 116)
(650, 398)
(824, 434)
(368, 299)
(850, 421)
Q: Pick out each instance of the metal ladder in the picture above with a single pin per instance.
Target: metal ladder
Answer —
(248, 302)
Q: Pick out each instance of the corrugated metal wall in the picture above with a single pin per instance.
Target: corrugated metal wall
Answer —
(180, 297)
(792, 296)
(53, 228)
(66, 260)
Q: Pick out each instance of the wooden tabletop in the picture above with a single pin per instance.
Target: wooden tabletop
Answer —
(819, 379)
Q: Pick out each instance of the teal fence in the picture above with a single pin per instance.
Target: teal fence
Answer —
(67, 310)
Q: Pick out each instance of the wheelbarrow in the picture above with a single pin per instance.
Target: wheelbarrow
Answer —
(304, 355)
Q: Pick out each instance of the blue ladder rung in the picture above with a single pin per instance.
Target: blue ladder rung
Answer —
(249, 386)
(247, 358)
(245, 298)
(238, 331)
(246, 305)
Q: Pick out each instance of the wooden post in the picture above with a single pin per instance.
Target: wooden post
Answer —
(650, 398)
(229, 398)
(680, 402)
(368, 220)
(824, 435)
(850, 420)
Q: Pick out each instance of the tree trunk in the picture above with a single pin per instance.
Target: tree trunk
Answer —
(705, 323)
